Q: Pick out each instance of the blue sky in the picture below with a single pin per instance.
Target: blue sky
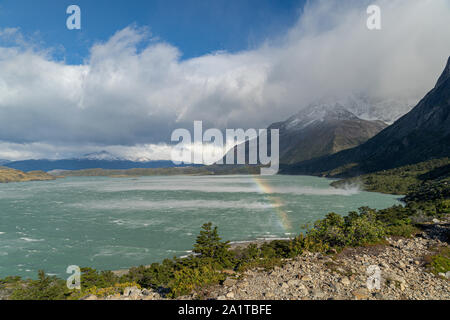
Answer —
(112, 87)
(196, 27)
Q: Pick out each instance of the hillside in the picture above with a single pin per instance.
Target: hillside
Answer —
(402, 179)
(321, 129)
(142, 172)
(12, 175)
(420, 135)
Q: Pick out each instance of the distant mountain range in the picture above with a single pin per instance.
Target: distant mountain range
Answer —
(320, 130)
(97, 160)
(102, 155)
(420, 135)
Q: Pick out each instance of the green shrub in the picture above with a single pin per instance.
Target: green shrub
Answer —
(440, 261)
(92, 278)
(45, 288)
(187, 279)
(355, 229)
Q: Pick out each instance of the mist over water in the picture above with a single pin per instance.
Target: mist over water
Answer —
(114, 223)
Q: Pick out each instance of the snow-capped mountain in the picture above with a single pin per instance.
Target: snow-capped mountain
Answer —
(321, 129)
(369, 108)
(420, 135)
(101, 155)
(96, 160)
(315, 114)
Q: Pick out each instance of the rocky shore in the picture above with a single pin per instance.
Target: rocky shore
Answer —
(402, 263)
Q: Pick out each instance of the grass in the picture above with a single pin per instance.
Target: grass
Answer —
(11, 175)
(439, 262)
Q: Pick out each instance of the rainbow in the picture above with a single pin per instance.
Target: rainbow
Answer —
(277, 204)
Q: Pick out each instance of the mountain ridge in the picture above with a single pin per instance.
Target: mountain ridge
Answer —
(421, 134)
(82, 164)
(319, 130)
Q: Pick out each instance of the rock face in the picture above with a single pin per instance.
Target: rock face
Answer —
(321, 130)
(420, 135)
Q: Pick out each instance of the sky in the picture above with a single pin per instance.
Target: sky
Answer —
(137, 70)
(196, 27)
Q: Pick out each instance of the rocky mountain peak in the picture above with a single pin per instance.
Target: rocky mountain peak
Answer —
(445, 74)
(316, 113)
(101, 155)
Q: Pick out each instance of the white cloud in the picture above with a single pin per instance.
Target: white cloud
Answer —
(129, 98)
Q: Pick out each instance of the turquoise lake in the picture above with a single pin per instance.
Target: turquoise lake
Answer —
(115, 223)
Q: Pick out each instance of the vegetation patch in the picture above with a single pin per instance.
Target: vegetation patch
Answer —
(403, 179)
(12, 175)
(440, 261)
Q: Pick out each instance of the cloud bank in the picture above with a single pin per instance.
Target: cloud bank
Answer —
(133, 91)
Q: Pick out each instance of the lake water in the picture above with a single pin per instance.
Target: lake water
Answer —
(115, 223)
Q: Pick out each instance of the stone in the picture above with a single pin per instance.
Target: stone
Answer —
(361, 294)
(91, 297)
(397, 278)
(345, 281)
(293, 282)
(284, 285)
(230, 295)
(378, 296)
(230, 272)
(132, 292)
(126, 291)
(306, 278)
(402, 286)
(229, 282)
(317, 294)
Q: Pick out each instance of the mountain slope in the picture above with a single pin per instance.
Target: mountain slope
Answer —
(422, 134)
(321, 130)
(11, 175)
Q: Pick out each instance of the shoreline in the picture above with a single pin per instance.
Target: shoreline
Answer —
(234, 245)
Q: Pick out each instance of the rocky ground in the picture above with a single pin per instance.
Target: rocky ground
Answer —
(402, 264)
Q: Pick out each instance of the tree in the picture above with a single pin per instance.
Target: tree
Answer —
(209, 245)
